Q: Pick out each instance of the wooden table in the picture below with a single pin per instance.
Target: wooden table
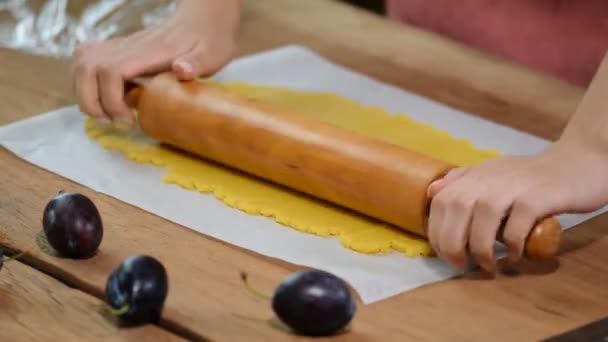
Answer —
(47, 296)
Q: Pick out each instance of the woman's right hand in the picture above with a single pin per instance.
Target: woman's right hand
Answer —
(197, 40)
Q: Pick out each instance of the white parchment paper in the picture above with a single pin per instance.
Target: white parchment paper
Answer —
(56, 142)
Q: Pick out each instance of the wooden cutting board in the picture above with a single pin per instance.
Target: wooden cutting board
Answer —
(207, 300)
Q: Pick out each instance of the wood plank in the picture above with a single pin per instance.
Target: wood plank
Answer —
(206, 297)
(594, 331)
(40, 308)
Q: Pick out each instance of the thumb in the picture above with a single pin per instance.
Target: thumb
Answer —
(441, 183)
(186, 68)
(194, 63)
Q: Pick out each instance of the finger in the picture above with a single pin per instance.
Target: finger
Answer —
(454, 232)
(142, 53)
(74, 79)
(197, 62)
(145, 61)
(522, 218)
(435, 222)
(487, 219)
(191, 64)
(87, 92)
(184, 70)
(111, 91)
(79, 56)
(122, 68)
(84, 50)
(441, 183)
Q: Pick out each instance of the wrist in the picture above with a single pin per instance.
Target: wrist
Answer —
(585, 134)
(588, 125)
(220, 17)
(581, 150)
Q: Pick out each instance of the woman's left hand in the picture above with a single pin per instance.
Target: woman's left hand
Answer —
(469, 204)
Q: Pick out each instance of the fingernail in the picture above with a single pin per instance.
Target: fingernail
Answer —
(431, 190)
(122, 126)
(127, 119)
(124, 121)
(184, 67)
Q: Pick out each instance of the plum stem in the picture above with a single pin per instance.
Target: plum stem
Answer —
(120, 311)
(245, 278)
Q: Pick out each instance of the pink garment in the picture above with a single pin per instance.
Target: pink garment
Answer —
(565, 38)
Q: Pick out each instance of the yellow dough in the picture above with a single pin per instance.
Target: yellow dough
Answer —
(290, 209)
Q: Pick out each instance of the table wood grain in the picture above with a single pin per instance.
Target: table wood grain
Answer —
(36, 307)
(207, 300)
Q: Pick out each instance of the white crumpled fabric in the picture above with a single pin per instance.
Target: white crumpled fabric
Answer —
(56, 27)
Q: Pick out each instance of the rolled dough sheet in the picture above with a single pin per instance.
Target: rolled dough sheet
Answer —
(257, 197)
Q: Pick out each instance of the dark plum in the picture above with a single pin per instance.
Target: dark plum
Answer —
(136, 290)
(314, 303)
(72, 225)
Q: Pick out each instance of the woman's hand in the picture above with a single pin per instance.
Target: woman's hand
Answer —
(469, 204)
(197, 40)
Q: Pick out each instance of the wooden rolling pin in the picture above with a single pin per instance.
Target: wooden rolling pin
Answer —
(369, 176)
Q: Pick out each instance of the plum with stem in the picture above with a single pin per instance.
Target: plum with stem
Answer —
(136, 290)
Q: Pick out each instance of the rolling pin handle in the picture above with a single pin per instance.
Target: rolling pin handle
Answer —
(544, 240)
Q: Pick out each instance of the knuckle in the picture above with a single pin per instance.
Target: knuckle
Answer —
(84, 68)
(106, 70)
(110, 107)
(513, 238)
(516, 233)
(111, 73)
(483, 253)
(492, 205)
(90, 109)
(80, 52)
(446, 200)
(526, 205)
(453, 253)
(462, 202)
(440, 202)
(84, 50)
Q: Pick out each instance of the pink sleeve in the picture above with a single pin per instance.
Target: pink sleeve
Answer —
(567, 39)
